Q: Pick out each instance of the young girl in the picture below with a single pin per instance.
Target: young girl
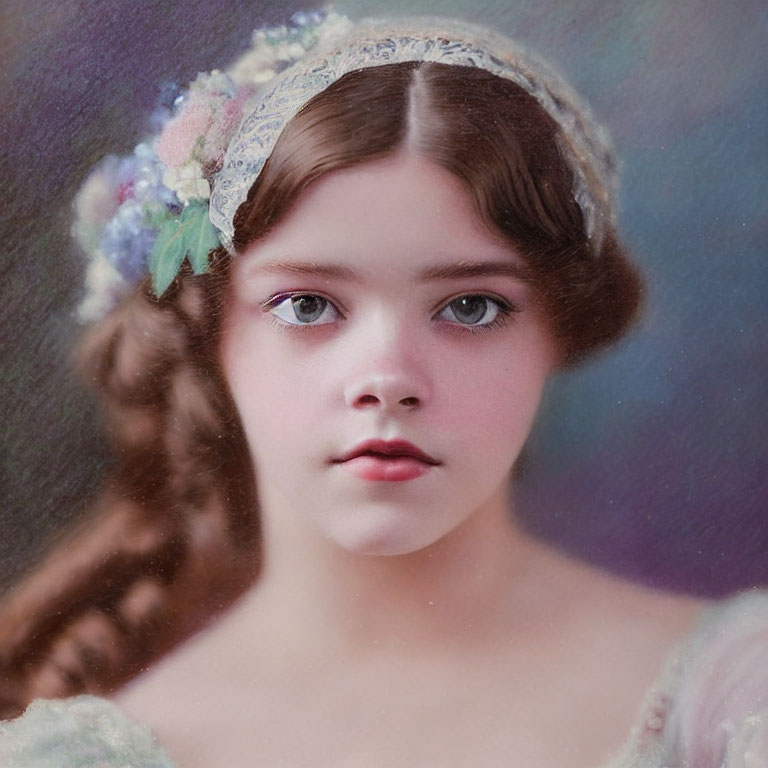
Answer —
(320, 418)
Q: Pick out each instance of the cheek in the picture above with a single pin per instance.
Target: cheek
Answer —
(276, 392)
(493, 405)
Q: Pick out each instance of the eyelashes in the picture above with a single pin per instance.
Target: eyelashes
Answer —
(478, 307)
(304, 311)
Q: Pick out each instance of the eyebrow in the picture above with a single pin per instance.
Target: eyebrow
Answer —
(459, 270)
(464, 269)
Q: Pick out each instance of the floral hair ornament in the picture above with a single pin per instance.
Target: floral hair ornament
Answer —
(176, 198)
(149, 212)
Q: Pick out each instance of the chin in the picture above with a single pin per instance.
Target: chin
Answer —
(384, 539)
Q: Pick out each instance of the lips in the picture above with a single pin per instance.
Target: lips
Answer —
(387, 449)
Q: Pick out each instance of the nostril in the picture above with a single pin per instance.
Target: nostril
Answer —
(409, 401)
(367, 399)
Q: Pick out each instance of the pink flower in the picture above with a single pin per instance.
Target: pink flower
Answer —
(181, 135)
(229, 112)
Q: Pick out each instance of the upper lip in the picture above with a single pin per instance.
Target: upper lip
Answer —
(387, 448)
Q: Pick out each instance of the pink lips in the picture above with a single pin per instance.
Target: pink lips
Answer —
(393, 460)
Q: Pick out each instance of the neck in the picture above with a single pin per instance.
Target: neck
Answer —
(457, 590)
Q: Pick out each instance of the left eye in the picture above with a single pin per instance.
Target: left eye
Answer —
(305, 309)
(473, 309)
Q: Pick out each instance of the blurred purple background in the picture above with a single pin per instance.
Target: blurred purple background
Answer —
(651, 461)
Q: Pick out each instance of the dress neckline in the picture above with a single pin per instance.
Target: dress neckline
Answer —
(645, 739)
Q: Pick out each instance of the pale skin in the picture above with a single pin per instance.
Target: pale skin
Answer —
(400, 623)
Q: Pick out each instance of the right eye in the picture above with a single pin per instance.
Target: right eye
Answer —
(304, 309)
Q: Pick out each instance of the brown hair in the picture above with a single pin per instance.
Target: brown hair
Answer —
(175, 536)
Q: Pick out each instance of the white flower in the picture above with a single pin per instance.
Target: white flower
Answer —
(187, 182)
(104, 286)
(292, 50)
(213, 82)
(281, 46)
(95, 204)
(335, 25)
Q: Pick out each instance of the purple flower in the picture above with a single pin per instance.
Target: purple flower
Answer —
(127, 240)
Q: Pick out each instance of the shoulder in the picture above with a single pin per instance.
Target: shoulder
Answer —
(719, 712)
(75, 732)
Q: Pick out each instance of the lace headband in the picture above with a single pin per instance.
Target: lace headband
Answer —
(176, 197)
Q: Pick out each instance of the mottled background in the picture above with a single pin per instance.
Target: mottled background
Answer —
(651, 461)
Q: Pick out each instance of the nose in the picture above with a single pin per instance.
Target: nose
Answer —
(389, 375)
(393, 391)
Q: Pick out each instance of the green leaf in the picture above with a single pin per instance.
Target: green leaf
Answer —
(199, 235)
(157, 215)
(166, 257)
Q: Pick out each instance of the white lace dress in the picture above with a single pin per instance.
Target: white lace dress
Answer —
(709, 709)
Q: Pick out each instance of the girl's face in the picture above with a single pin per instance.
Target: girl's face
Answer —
(380, 308)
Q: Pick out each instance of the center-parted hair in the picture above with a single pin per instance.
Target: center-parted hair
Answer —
(174, 537)
(496, 139)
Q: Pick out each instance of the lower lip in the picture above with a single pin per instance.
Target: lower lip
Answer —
(396, 469)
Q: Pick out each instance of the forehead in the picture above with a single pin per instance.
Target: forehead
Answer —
(403, 213)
